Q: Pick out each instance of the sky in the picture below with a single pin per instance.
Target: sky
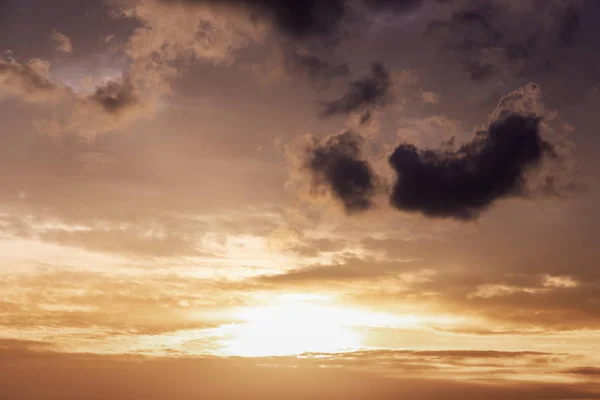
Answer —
(339, 199)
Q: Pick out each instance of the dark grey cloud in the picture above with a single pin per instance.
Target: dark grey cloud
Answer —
(509, 37)
(301, 18)
(338, 165)
(462, 183)
(311, 31)
(371, 91)
(295, 19)
(393, 5)
(308, 19)
(448, 182)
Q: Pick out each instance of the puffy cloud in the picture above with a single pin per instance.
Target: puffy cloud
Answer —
(172, 30)
(216, 31)
(497, 163)
(337, 164)
(517, 154)
(107, 106)
(30, 81)
(167, 34)
(461, 183)
(63, 42)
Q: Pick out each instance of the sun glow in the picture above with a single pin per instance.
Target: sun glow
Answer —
(296, 327)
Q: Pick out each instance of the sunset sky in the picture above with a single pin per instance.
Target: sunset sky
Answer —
(267, 199)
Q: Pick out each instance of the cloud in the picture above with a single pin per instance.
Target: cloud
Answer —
(132, 242)
(518, 154)
(303, 19)
(172, 31)
(296, 19)
(492, 270)
(116, 96)
(347, 270)
(187, 30)
(348, 376)
(63, 42)
(304, 33)
(107, 106)
(110, 106)
(171, 35)
(29, 81)
(143, 302)
(585, 371)
(425, 132)
(508, 38)
(430, 97)
(393, 5)
(316, 68)
(462, 183)
(143, 239)
(309, 32)
(337, 164)
(546, 284)
(372, 91)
